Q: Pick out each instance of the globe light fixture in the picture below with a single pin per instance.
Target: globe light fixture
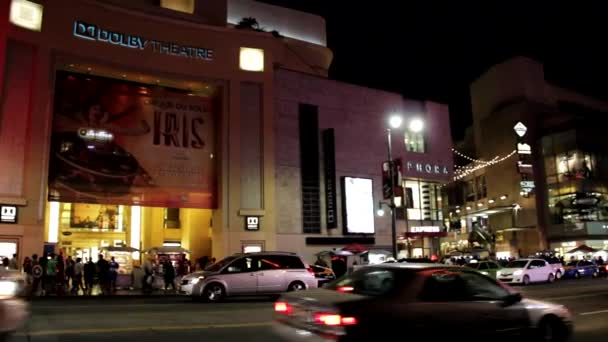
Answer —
(395, 121)
(416, 125)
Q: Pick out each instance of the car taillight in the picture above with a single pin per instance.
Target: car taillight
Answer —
(311, 271)
(345, 289)
(606, 267)
(334, 319)
(282, 307)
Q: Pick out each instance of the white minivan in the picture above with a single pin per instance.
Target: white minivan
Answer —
(263, 273)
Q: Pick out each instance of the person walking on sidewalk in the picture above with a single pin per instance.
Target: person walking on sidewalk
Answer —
(37, 275)
(103, 269)
(169, 275)
(113, 274)
(51, 274)
(148, 278)
(78, 270)
(89, 276)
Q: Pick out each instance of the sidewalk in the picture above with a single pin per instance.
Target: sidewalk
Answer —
(122, 293)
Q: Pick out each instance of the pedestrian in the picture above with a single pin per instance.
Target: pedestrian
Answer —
(89, 276)
(77, 276)
(14, 263)
(148, 278)
(202, 262)
(69, 272)
(51, 274)
(113, 274)
(37, 275)
(5, 263)
(60, 281)
(103, 273)
(169, 275)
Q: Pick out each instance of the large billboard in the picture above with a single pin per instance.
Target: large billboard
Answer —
(119, 142)
(358, 205)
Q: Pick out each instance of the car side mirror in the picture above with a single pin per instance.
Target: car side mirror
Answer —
(512, 299)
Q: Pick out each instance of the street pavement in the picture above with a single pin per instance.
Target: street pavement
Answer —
(179, 319)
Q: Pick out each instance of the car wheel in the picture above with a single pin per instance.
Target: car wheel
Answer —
(595, 274)
(551, 278)
(577, 275)
(214, 292)
(526, 280)
(551, 329)
(296, 286)
(558, 275)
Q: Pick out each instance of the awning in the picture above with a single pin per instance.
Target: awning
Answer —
(582, 249)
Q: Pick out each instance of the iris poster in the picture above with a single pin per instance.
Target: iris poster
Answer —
(119, 142)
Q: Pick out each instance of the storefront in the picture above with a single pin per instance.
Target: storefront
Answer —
(138, 129)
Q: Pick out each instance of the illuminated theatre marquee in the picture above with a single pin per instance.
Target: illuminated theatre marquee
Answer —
(95, 33)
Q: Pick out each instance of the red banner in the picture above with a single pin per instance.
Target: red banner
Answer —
(119, 142)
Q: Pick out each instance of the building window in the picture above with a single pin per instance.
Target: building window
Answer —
(309, 168)
(172, 218)
(423, 201)
(185, 6)
(414, 142)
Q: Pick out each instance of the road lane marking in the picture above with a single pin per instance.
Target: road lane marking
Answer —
(575, 296)
(140, 329)
(593, 312)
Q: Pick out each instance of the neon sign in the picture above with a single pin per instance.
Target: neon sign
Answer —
(93, 32)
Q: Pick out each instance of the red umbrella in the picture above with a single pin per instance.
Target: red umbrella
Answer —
(355, 248)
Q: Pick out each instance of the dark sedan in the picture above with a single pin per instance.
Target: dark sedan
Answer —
(581, 268)
(434, 301)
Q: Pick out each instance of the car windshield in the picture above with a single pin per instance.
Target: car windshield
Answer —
(370, 281)
(572, 263)
(220, 264)
(517, 264)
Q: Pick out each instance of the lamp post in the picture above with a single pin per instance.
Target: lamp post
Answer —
(416, 126)
(394, 122)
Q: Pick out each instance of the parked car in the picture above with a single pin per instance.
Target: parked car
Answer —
(434, 301)
(581, 268)
(603, 269)
(323, 274)
(265, 273)
(489, 268)
(556, 264)
(526, 271)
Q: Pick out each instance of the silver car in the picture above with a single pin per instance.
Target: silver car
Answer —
(441, 303)
(264, 273)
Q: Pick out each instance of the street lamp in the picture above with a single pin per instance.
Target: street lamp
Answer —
(416, 125)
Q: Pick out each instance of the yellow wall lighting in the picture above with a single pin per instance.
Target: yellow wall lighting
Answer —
(251, 59)
(53, 222)
(26, 14)
(135, 229)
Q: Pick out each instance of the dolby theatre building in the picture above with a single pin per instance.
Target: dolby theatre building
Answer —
(132, 125)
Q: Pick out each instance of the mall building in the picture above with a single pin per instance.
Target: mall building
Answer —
(533, 171)
(135, 125)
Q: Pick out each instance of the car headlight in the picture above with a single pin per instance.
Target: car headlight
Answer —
(498, 273)
(484, 273)
(8, 288)
(518, 272)
(196, 280)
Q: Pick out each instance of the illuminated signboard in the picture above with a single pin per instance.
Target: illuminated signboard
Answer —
(95, 33)
(358, 205)
(520, 129)
(523, 148)
(427, 168)
(8, 214)
(426, 229)
(252, 223)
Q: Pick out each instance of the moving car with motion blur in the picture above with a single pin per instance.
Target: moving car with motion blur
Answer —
(263, 273)
(12, 306)
(526, 271)
(489, 268)
(435, 301)
(581, 268)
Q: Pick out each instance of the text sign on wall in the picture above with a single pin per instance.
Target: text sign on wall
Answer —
(95, 33)
(252, 223)
(427, 168)
(329, 166)
(8, 214)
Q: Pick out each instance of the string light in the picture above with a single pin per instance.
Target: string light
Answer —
(463, 171)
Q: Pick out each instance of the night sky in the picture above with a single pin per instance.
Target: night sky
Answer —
(434, 52)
